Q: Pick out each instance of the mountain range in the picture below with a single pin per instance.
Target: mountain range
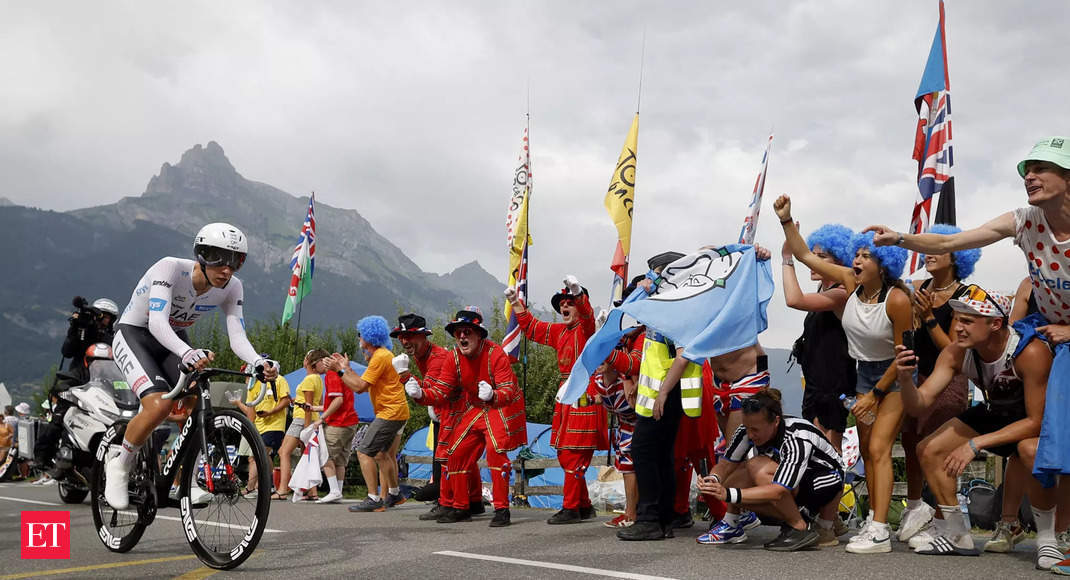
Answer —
(102, 251)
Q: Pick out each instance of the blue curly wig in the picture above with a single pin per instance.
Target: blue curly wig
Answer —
(892, 259)
(834, 239)
(375, 331)
(963, 260)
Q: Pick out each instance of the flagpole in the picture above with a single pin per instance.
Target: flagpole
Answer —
(527, 232)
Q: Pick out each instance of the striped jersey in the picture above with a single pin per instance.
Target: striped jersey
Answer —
(797, 447)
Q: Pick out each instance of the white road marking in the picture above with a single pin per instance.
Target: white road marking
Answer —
(553, 566)
(29, 501)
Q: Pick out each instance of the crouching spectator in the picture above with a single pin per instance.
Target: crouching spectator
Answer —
(1012, 372)
(778, 466)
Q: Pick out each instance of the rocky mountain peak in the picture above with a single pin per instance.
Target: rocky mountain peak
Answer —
(201, 171)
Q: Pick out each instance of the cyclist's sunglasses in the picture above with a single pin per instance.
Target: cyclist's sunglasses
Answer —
(978, 294)
(213, 256)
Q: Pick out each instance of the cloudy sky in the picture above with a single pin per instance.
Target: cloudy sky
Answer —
(412, 113)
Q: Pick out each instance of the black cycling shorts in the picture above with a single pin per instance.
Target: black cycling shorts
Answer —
(984, 421)
(148, 366)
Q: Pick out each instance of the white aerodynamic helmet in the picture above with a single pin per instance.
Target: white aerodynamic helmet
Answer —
(220, 244)
(106, 305)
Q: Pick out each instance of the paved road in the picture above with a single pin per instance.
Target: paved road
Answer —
(316, 541)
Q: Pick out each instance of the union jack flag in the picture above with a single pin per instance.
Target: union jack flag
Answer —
(750, 223)
(302, 263)
(308, 231)
(513, 335)
(932, 142)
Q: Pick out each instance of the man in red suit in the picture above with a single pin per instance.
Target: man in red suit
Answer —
(413, 334)
(577, 430)
(479, 374)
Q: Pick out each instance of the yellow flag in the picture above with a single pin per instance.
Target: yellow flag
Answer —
(620, 199)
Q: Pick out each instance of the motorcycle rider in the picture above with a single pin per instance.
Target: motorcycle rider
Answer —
(151, 340)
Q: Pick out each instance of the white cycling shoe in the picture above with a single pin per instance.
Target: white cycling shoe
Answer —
(116, 478)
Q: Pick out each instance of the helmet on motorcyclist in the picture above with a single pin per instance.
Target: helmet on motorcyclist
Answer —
(220, 244)
(107, 306)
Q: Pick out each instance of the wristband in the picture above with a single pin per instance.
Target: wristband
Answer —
(785, 222)
(733, 495)
(788, 263)
(716, 477)
(340, 373)
(973, 446)
(879, 393)
(932, 323)
(900, 241)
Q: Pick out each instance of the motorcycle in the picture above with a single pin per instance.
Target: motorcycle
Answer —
(82, 414)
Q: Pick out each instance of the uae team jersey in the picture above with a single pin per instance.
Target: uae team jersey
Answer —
(1049, 263)
(164, 301)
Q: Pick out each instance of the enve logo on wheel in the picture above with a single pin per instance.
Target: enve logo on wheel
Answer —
(46, 535)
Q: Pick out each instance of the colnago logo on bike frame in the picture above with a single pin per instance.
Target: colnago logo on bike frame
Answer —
(179, 442)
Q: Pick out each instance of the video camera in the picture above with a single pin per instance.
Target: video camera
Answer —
(86, 314)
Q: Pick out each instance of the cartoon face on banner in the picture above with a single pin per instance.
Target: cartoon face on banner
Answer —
(693, 275)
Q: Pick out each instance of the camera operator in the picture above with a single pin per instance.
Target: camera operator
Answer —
(89, 324)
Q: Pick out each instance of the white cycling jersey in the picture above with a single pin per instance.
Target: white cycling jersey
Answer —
(164, 300)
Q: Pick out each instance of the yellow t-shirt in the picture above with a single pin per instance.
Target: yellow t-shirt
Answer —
(385, 388)
(310, 391)
(276, 421)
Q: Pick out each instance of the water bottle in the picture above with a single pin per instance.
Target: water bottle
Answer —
(849, 403)
(965, 508)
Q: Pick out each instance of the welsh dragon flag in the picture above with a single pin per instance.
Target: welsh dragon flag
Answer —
(302, 263)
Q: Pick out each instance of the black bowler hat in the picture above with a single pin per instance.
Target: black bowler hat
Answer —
(562, 294)
(468, 316)
(410, 323)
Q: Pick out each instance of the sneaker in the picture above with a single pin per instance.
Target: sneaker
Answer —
(587, 513)
(436, 511)
(332, 497)
(501, 518)
(620, 521)
(827, 538)
(874, 539)
(913, 521)
(477, 508)
(454, 515)
(749, 520)
(116, 478)
(368, 505)
(1048, 556)
(200, 498)
(1062, 568)
(393, 499)
(791, 540)
(942, 545)
(48, 482)
(723, 533)
(839, 528)
(45, 479)
(682, 521)
(1006, 536)
(565, 516)
(641, 531)
(922, 539)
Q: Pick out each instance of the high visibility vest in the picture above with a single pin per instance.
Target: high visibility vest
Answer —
(656, 362)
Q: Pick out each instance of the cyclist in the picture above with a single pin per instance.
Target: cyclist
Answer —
(151, 339)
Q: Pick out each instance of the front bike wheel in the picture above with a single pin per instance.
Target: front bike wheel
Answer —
(222, 524)
(120, 530)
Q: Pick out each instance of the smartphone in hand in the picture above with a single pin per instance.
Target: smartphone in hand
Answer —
(703, 468)
(908, 341)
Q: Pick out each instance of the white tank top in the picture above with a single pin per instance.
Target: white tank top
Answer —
(869, 330)
(1049, 263)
